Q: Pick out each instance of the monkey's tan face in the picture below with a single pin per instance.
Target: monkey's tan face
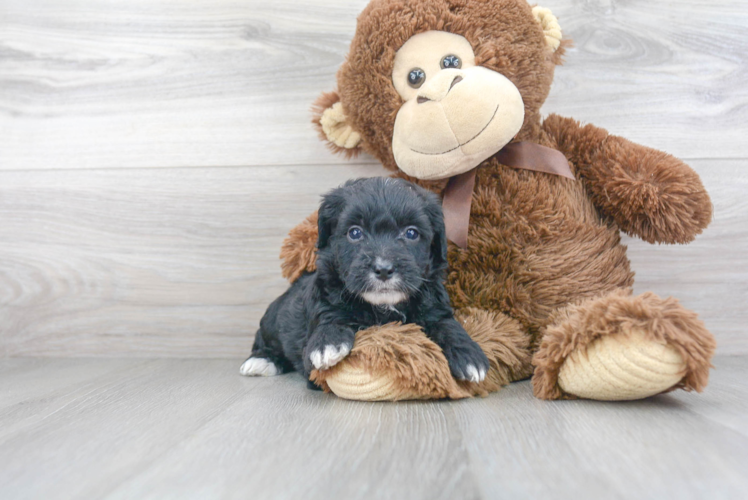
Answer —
(456, 114)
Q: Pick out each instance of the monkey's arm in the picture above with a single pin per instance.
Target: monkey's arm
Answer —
(648, 193)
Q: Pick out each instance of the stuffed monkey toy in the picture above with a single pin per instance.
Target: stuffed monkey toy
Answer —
(447, 94)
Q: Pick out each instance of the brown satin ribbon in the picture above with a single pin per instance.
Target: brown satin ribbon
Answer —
(458, 195)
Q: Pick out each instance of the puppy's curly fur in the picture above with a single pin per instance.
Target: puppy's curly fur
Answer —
(381, 258)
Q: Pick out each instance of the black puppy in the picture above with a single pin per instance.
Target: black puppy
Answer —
(382, 253)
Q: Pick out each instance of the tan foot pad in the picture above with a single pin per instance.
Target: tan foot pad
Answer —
(353, 382)
(621, 367)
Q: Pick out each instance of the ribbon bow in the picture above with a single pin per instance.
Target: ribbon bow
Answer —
(458, 195)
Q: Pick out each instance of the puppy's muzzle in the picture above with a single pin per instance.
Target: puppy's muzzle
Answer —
(385, 288)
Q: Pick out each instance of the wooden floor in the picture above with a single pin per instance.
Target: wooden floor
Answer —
(183, 429)
(153, 155)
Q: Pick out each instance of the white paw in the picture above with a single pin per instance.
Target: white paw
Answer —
(475, 375)
(322, 360)
(258, 367)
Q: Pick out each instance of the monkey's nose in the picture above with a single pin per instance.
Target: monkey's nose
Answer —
(383, 269)
(438, 90)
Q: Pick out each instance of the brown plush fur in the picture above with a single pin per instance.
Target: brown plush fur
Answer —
(299, 249)
(544, 252)
(662, 320)
(648, 193)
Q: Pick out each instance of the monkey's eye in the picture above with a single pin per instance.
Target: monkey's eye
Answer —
(412, 233)
(451, 61)
(355, 233)
(416, 77)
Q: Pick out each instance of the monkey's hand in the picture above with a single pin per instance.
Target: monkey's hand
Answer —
(299, 250)
(648, 193)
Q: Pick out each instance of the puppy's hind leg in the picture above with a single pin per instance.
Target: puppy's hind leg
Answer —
(259, 367)
(263, 362)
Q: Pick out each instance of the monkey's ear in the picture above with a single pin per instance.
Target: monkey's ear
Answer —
(333, 125)
(551, 28)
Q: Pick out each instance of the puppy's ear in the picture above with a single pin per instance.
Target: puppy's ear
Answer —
(332, 204)
(439, 241)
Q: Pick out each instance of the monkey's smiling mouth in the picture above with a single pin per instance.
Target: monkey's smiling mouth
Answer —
(464, 143)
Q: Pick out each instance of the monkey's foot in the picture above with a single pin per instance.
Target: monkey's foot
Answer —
(389, 363)
(620, 347)
(621, 367)
(395, 361)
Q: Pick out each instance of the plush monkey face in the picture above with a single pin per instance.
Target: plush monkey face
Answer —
(434, 87)
(455, 114)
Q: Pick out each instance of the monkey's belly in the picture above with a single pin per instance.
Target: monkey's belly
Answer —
(527, 271)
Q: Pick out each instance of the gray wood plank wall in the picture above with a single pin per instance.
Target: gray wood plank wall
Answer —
(154, 154)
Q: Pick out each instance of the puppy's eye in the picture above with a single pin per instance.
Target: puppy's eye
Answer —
(451, 61)
(355, 233)
(416, 77)
(412, 233)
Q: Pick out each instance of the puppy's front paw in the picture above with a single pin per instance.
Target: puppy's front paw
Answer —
(467, 362)
(475, 374)
(330, 355)
(328, 345)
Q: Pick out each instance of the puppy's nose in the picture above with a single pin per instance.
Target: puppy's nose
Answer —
(383, 269)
